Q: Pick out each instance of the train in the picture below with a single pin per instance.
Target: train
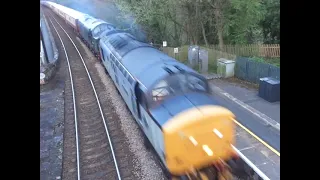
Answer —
(171, 103)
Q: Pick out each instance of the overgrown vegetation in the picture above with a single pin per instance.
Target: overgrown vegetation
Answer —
(204, 22)
(185, 22)
(272, 61)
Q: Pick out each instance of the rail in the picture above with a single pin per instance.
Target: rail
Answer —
(75, 107)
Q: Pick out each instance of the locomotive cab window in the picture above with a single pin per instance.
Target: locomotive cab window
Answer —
(96, 32)
(178, 84)
(160, 91)
(196, 84)
(100, 29)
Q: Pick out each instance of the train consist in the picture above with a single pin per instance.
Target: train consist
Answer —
(171, 102)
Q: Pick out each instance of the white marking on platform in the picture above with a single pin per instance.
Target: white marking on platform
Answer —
(257, 113)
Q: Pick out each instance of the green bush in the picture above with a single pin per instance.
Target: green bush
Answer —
(272, 61)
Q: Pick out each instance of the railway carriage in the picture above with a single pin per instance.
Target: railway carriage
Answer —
(72, 17)
(88, 28)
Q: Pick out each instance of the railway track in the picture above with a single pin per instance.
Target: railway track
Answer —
(94, 148)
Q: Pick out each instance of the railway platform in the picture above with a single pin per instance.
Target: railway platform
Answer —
(247, 93)
(258, 123)
(260, 154)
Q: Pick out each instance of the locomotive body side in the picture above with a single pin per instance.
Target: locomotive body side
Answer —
(133, 94)
(122, 78)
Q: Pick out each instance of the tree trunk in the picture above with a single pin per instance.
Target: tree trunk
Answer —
(204, 34)
(220, 37)
(219, 18)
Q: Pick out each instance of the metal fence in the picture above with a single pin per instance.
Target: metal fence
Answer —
(48, 51)
(47, 40)
(252, 71)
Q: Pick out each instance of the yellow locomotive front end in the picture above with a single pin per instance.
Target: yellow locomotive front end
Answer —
(197, 138)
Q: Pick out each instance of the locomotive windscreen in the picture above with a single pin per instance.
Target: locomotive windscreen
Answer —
(100, 29)
(178, 84)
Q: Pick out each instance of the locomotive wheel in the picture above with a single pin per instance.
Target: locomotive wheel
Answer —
(236, 169)
(225, 175)
(210, 173)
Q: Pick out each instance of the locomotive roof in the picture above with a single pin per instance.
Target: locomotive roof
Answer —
(149, 65)
(69, 11)
(123, 43)
(109, 32)
(143, 61)
(73, 13)
(91, 22)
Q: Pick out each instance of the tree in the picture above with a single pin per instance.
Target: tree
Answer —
(271, 21)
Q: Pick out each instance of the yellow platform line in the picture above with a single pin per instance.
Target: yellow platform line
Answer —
(256, 137)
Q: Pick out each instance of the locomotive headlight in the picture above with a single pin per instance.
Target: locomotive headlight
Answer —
(207, 150)
(218, 133)
(194, 142)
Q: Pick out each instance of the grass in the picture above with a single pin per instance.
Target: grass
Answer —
(272, 61)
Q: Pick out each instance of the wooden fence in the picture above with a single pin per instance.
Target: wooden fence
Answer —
(250, 50)
(259, 50)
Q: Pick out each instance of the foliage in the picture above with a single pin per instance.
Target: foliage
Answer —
(271, 22)
(272, 61)
(221, 22)
(185, 22)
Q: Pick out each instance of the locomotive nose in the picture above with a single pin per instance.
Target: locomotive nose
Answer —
(198, 137)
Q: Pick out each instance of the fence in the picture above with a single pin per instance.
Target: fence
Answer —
(252, 71)
(259, 50)
(228, 52)
(48, 51)
(213, 55)
(48, 40)
(245, 68)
